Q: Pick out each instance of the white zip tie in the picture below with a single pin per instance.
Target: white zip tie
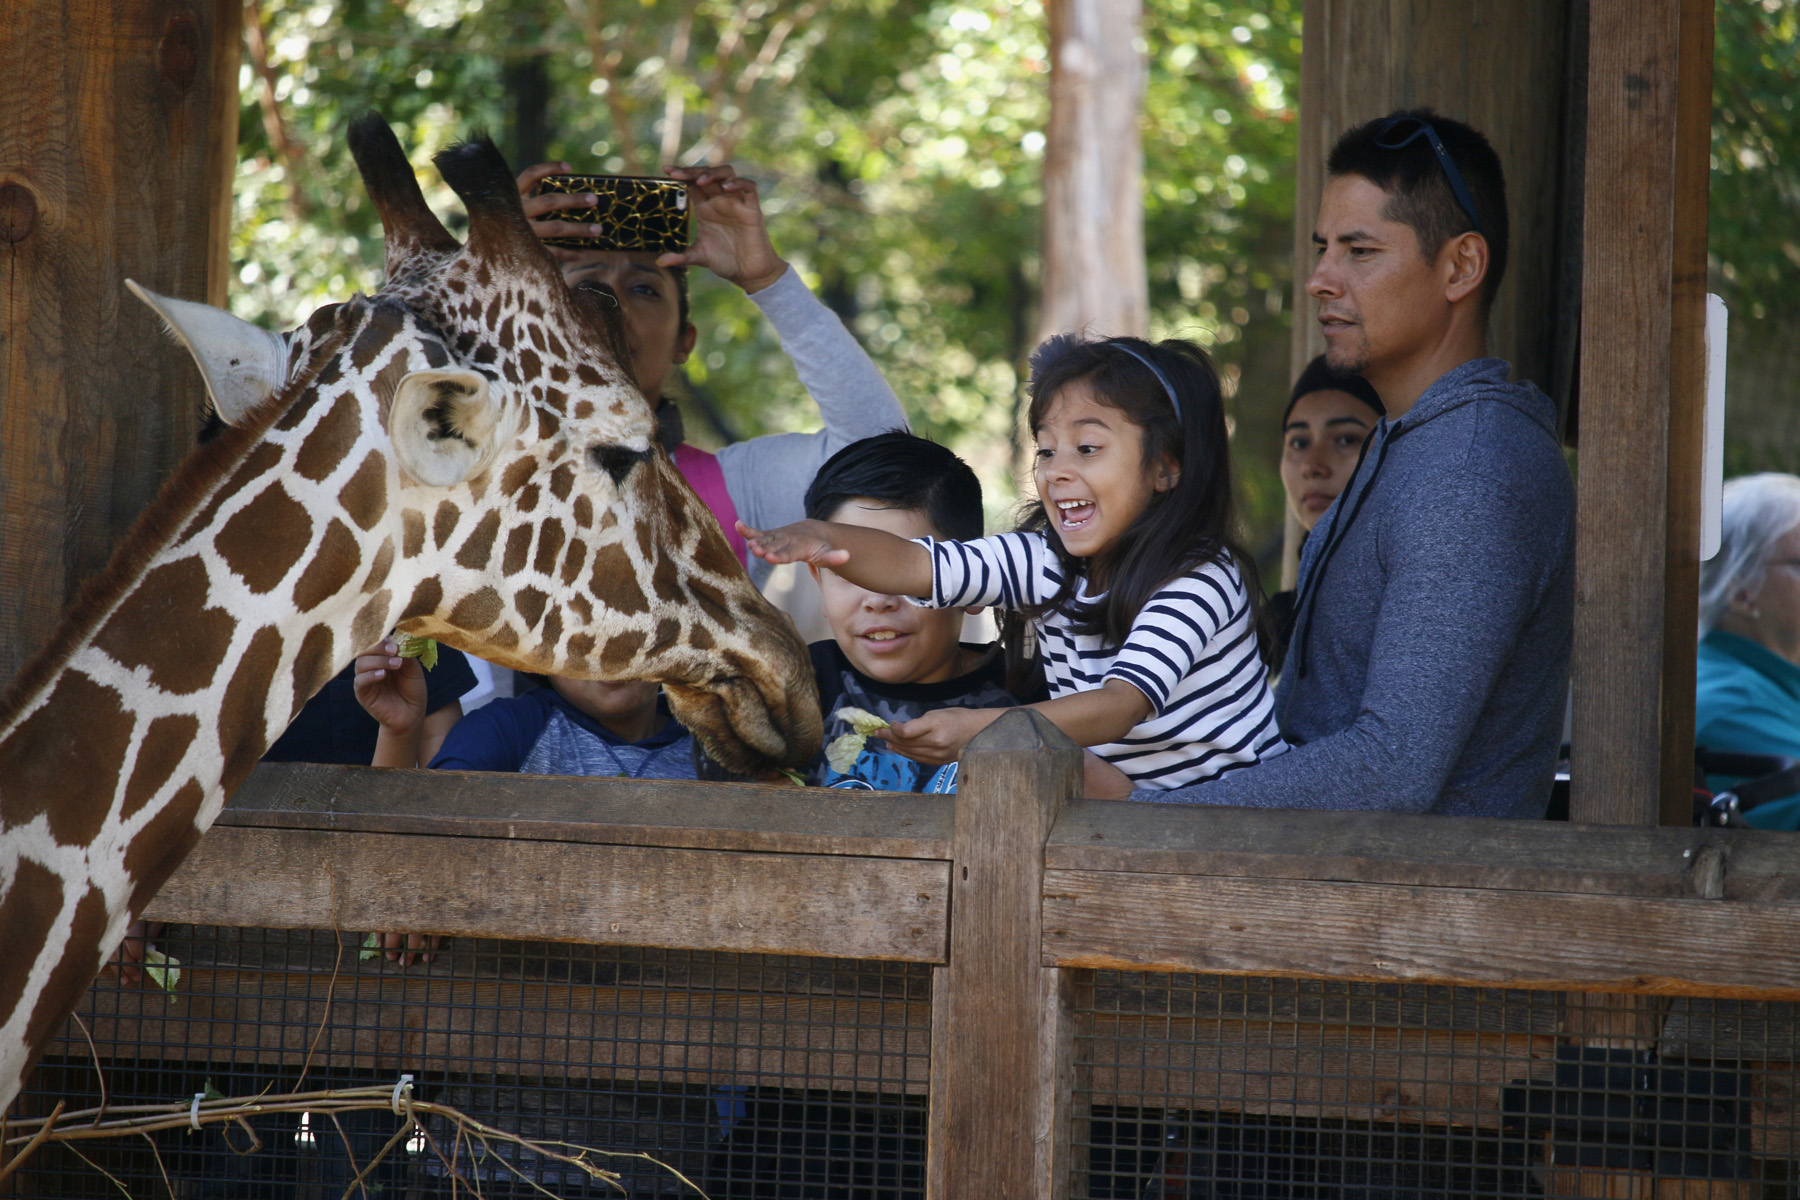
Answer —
(405, 1085)
(194, 1110)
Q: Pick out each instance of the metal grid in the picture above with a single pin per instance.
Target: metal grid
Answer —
(1191, 1086)
(753, 1075)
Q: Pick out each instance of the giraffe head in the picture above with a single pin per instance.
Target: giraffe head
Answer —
(500, 470)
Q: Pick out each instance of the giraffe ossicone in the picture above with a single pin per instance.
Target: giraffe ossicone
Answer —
(462, 456)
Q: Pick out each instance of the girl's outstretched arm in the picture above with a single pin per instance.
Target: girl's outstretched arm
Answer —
(1091, 718)
(869, 558)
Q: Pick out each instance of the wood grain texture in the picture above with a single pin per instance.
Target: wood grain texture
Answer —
(836, 906)
(443, 1025)
(118, 130)
(1637, 515)
(700, 816)
(1404, 848)
(1440, 934)
(1003, 1018)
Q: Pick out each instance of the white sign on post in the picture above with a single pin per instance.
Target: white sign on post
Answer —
(1712, 445)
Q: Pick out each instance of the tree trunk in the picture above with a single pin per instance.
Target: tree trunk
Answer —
(118, 137)
(1094, 279)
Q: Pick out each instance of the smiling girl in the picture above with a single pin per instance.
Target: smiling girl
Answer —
(1125, 566)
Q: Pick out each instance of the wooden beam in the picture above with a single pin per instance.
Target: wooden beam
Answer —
(623, 812)
(834, 906)
(118, 138)
(1407, 849)
(1005, 1023)
(1439, 934)
(1644, 270)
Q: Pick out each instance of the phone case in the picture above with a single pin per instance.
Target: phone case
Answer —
(637, 213)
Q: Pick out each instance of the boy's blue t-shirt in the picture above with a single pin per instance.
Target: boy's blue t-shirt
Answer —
(880, 767)
(540, 733)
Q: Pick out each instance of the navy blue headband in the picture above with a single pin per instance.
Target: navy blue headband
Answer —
(1156, 371)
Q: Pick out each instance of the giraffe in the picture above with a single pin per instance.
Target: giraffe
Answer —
(460, 455)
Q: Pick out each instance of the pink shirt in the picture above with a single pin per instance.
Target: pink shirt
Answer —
(703, 474)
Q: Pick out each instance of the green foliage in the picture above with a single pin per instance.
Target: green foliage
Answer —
(1753, 232)
(899, 144)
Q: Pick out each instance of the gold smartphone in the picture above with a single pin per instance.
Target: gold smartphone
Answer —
(634, 213)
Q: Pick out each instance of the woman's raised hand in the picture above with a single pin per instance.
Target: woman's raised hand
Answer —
(731, 238)
(801, 542)
(542, 211)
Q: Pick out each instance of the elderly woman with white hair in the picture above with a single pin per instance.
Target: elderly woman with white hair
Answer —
(1748, 698)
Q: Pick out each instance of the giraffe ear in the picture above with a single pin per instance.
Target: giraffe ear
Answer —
(446, 426)
(241, 364)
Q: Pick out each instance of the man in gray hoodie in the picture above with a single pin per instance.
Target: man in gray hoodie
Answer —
(1430, 656)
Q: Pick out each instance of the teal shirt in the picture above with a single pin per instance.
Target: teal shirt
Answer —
(1748, 702)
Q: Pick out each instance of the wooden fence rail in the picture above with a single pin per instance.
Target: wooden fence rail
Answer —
(1007, 891)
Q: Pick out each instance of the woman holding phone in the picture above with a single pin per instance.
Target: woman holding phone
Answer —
(761, 481)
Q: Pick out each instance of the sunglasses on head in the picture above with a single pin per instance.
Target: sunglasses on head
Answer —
(1404, 131)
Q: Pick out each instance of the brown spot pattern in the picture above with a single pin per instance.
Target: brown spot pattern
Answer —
(443, 522)
(63, 761)
(477, 611)
(518, 549)
(553, 627)
(666, 581)
(479, 545)
(162, 843)
(503, 638)
(529, 604)
(314, 665)
(573, 560)
(562, 481)
(385, 324)
(256, 463)
(615, 582)
(74, 971)
(364, 497)
(412, 533)
(427, 598)
(164, 627)
(712, 602)
(331, 440)
(549, 546)
(581, 645)
(379, 568)
(527, 499)
(699, 638)
(243, 727)
(264, 539)
(333, 566)
(27, 912)
(621, 649)
(165, 742)
(516, 474)
(668, 633)
(584, 511)
(371, 620)
(584, 612)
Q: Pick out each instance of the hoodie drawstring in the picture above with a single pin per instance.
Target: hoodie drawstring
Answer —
(1308, 600)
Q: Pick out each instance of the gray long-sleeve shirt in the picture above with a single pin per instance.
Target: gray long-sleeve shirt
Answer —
(1434, 675)
(767, 477)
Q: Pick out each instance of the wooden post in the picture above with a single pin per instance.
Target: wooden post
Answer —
(1502, 66)
(1001, 1022)
(1094, 277)
(1637, 543)
(118, 137)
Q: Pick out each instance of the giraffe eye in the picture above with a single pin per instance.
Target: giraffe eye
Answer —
(617, 461)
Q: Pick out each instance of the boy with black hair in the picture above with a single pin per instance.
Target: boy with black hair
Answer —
(1430, 656)
(888, 656)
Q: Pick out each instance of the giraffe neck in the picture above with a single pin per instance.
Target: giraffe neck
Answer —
(256, 575)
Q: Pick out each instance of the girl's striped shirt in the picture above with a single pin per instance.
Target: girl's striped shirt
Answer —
(1192, 651)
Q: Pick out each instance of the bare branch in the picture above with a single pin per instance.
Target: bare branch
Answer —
(285, 149)
(606, 69)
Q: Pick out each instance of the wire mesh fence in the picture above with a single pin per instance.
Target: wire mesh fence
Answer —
(1191, 1086)
(746, 1075)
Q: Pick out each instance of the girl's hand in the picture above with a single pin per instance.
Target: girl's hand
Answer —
(939, 736)
(730, 238)
(390, 688)
(409, 948)
(802, 542)
(542, 211)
